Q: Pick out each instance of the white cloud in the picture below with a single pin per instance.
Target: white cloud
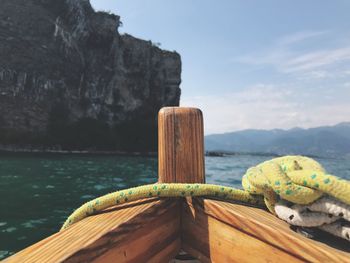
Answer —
(314, 90)
(317, 74)
(315, 60)
(286, 58)
(269, 106)
(299, 37)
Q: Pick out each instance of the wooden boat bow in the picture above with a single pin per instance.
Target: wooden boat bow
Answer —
(155, 230)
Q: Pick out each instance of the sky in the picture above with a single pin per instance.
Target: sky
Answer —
(252, 64)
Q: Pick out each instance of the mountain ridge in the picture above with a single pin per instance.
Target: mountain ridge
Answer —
(324, 141)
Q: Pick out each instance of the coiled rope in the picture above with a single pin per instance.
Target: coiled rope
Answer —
(295, 188)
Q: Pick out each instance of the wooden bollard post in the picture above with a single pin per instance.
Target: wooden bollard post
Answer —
(180, 145)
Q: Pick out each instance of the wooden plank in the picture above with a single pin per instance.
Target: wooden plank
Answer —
(249, 222)
(212, 240)
(127, 233)
(180, 145)
(265, 226)
(149, 242)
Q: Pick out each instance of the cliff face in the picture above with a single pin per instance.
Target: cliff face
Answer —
(68, 79)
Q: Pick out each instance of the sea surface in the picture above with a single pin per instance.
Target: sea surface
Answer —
(37, 193)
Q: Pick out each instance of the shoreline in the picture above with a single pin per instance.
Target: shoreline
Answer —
(25, 151)
(219, 153)
(75, 152)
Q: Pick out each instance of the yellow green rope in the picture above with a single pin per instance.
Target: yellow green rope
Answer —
(159, 190)
(298, 179)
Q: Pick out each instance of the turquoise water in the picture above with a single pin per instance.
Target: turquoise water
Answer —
(38, 193)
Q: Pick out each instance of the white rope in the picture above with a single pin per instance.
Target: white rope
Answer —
(326, 213)
(297, 217)
(331, 206)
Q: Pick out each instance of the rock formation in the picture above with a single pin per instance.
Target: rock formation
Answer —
(69, 80)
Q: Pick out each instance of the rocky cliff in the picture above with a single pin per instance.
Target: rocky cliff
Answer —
(69, 80)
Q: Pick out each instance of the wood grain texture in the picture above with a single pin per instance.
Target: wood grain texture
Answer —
(180, 145)
(129, 233)
(263, 231)
(212, 240)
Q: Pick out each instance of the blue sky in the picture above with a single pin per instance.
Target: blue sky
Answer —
(252, 64)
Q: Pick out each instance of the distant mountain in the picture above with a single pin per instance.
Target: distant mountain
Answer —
(326, 141)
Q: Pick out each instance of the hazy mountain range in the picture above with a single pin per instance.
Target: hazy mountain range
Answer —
(325, 141)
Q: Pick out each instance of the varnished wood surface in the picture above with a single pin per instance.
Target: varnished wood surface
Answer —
(136, 233)
(155, 230)
(268, 237)
(212, 240)
(180, 145)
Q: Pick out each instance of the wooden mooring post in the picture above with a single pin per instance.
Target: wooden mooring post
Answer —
(180, 145)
